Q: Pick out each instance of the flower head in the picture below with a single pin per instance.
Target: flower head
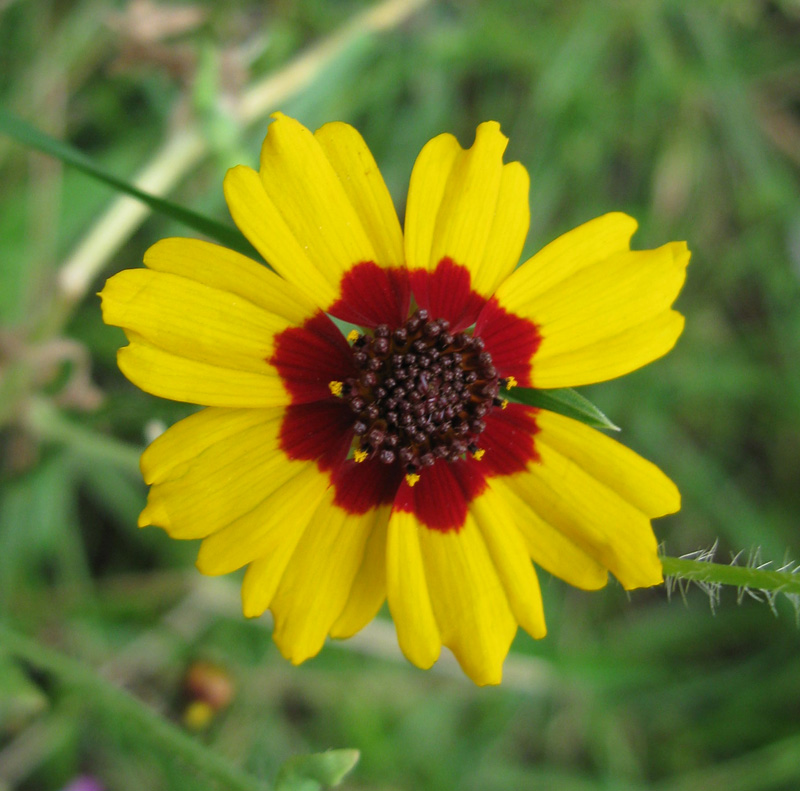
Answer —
(388, 463)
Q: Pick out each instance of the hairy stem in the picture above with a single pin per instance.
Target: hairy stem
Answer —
(739, 576)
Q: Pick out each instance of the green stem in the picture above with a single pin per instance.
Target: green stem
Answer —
(172, 743)
(739, 576)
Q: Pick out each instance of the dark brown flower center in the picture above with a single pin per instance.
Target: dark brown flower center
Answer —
(422, 393)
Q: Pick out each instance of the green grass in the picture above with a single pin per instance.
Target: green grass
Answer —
(684, 115)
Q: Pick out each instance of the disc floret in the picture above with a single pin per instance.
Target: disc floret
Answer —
(421, 394)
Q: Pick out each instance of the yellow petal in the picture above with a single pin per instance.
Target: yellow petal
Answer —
(509, 229)
(601, 309)
(228, 475)
(590, 514)
(429, 180)
(284, 509)
(171, 454)
(628, 294)
(635, 479)
(369, 587)
(467, 206)
(192, 320)
(610, 357)
(588, 244)
(173, 376)
(365, 188)
(301, 183)
(498, 525)
(319, 577)
(260, 221)
(407, 592)
(471, 607)
(226, 270)
(549, 548)
(263, 575)
(467, 211)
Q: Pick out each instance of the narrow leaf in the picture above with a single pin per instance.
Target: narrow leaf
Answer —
(28, 135)
(565, 402)
(315, 771)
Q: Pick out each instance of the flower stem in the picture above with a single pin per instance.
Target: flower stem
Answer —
(740, 576)
(165, 738)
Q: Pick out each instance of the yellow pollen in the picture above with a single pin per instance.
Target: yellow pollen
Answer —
(504, 403)
(352, 336)
(479, 454)
(360, 455)
(335, 387)
(412, 478)
(510, 382)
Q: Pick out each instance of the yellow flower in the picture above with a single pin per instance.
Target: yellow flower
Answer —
(345, 471)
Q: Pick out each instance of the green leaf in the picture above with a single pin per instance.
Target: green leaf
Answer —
(565, 402)
(315, 771)
(30, 136)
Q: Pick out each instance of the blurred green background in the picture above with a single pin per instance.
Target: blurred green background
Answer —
(685, 115)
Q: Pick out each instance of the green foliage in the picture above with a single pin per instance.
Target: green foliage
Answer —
(565, 402)
(314, 772)
(684, 115)
(33, 138)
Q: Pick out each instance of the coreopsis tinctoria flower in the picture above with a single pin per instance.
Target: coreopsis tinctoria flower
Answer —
(387, 464)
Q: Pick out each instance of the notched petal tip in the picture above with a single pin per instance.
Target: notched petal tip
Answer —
(490, 131)
(163, 246)
(490, 143)
(419, 652)
(485, 675)
(254, 603)
(295, 647)
(154, 514)
(279, 120)
(237, 181)
(673, 324)
(623, 221)
(669, 496)
(283, 133)
(651, 574)
(681, 254)
(255, 596)
(117, 293)
(208, 563)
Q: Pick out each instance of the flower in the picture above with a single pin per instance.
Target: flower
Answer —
(388, 464)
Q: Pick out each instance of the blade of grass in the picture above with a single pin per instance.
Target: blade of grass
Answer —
(29, 135)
